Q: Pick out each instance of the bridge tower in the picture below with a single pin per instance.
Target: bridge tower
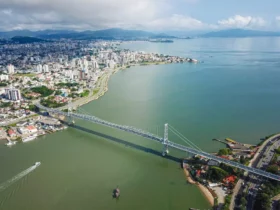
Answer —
(165, 140)
(70, 119)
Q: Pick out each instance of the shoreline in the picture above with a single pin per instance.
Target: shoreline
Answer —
(207, 194)
(104, 87)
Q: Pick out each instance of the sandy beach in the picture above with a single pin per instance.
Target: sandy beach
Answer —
(203, 189)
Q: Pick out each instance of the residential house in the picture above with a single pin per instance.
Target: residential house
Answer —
(12, 133)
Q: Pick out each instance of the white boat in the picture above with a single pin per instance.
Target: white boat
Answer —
(37, 164)
(11, 143)
(29, 138)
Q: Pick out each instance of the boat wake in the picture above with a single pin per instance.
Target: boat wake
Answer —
(22, 174)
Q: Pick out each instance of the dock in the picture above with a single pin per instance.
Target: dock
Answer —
(222, 141)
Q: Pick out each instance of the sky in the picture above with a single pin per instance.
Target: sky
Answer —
(150, 15)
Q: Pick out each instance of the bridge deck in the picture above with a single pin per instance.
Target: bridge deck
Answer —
(153, 137)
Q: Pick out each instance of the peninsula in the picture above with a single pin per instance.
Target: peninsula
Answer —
(57, 73)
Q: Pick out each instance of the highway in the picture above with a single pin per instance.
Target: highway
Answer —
(255, 182)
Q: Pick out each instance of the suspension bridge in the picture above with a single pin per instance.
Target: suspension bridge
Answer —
(192, 148)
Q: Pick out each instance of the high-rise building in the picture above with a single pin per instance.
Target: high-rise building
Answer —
(39, 68)
(85, 62)
(73, 63)
(95, 64)
(11, 69)
(13, 94)
(45, 68)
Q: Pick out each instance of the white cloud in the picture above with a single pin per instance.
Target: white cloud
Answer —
(99, 14)
(175, 22)
(90, 13)
(239, 21)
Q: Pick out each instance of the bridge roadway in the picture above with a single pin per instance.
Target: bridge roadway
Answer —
(171, 144)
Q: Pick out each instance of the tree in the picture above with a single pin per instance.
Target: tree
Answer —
(272, 169)
(58, 92)
(277, 150)
(225, 151)
(242, 159)
(243, 208)
(262, 202)
(243, 201)
(216, 174)
(43, 90)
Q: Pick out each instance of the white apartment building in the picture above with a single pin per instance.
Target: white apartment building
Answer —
(13, 94)
(45, 68)
(4, 77)
(39, 68)
(11, 69)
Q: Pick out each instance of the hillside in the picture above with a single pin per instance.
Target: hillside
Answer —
(107, 34)
(26, 39)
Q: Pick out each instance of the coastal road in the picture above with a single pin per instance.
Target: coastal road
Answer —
(255, 162)
(17, 120)
(101, 85)
(255, 182)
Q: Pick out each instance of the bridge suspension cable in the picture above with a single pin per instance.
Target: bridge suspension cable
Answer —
(183, 138)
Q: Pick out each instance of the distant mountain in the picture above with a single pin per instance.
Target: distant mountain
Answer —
(107, 34)
(240, 33)
(26, 39)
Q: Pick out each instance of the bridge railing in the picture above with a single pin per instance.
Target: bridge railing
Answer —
(151, 136)
(97, 120)
(222, 160)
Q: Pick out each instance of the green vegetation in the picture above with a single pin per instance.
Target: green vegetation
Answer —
(43, 90)
(243, 203)
(225, 151)
(73, 95)
(68, 84)
(25, 75)
(277, 150)
(26, 39)
(242, 159)
(227, 202)
(33, 108)
(231, 170)
(272, 169)
(18, 139)
(262, 202)
(5, 104)
(85, 93)
(95, 91)
(58, 92)
(270, 189)
(51, 103)
(3, 84)
(216, 174)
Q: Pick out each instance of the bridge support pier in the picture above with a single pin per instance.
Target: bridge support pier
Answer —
(165, 141)
(70, 119)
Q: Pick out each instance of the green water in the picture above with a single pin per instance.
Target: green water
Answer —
(234, 93)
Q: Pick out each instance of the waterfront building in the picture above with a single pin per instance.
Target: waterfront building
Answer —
(13, 94)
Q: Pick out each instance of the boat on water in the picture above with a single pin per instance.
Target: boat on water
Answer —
(37, 164)
(29, 138)
(11, 143)
(116, 193)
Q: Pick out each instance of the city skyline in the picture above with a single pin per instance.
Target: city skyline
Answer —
(152, 15)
